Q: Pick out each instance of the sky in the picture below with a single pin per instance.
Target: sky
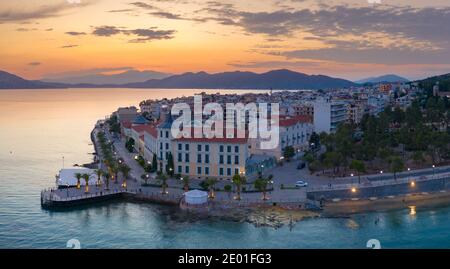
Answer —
(351, 39)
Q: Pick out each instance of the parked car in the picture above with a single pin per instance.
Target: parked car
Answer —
(301, 165)
(301, 183)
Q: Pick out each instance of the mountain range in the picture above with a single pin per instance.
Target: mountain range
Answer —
(276, 79)
(390, 78)
(128, 76)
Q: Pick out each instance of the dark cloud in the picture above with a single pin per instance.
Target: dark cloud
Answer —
(167, 15)
(120, 10)
(49, 29)
(26, 29)
(143, 5)
(75, 33)
(143, 35)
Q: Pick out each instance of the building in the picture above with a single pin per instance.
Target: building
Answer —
(294, 132)
(127, 114)
(219, 158)
(328, 114)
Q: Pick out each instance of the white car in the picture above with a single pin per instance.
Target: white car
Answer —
(301, 183)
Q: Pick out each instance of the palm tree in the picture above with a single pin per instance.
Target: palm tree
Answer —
(163, 179)
(99, 174)
(125, 170)
(186, 181)
(78, 176)
(211, 183)
(107, 176)
(86, 179)
(238, 181)
(261, 185)
(114, 172)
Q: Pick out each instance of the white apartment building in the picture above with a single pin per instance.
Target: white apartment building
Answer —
(328, 114)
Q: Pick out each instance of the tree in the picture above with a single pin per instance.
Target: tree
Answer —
(107, 176)
(114, 169)
(211, 182)
(186, 181)
(86, 179)
(170, 165)
(288, 152)
(154, 163)
(396, 165)
(163, 180)
(145, 178)
(78, 176)
(359, 167)
(261, 185)
(130, 144)
(227, 188)
(125, 170)
(99, 174)
(314, 141)
(238, 181)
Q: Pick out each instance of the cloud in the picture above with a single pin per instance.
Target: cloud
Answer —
(34, 64)
(274, 64)
(167, 15)
(106, 31)
(21, 14)
(120, 10)
(68, 46)
(143, 5)
(86, 72)
(143, 35)
(75, 33)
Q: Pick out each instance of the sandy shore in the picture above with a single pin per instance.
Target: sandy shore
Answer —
(422, 200)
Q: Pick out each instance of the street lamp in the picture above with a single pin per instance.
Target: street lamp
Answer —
(351, 175)
(434, 166)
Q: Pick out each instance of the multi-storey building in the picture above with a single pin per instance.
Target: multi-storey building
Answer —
(328, 114)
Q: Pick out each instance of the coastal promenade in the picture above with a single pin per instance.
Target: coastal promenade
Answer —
(283, 192)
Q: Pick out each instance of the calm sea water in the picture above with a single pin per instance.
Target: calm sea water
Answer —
(38, 127)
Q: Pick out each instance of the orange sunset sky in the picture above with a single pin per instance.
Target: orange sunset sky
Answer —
(345, 38)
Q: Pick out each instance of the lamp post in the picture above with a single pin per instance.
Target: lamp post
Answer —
(434, 166)
(351, 175)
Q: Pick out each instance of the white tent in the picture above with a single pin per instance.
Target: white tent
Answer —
(67, 176)
(196, 197)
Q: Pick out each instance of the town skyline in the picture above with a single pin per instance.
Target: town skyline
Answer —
(350, 39)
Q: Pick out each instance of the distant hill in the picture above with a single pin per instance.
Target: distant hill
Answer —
(277, 79)
(10, 81)
(428, 83)
(129, 76)
(385, 78)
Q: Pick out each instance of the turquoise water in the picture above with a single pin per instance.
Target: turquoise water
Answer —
(38, 127)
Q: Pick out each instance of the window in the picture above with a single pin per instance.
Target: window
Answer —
(236, 149)
(160, 155)
(236, 171)
(199, 170)
(167, 145)
(228, 159)
(207, 148)
(228, 171)
(206, 158)
(186, 159)
(236, 159)
(206, 170)
(199, 147)
(221, 171)
(180, 170)
(160, 134)
(221, 148)
(221, 159)
(180, 147)
(160, 145)
(180, 157)
(167, 134)
(167, 155)
(187, 169)
(199, 158)
(228, 148)
(186, 147)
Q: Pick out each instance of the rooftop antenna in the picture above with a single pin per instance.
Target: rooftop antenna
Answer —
(63, 161)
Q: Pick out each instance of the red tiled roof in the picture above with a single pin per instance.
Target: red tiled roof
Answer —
(151, 129)
(126, 124)
(289, 121)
